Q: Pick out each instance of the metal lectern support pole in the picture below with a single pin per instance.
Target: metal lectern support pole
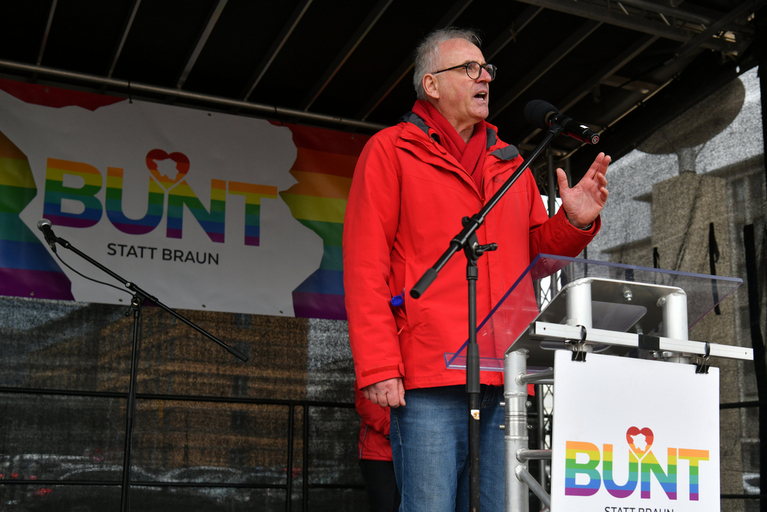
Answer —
(515, 428)
(674, 307)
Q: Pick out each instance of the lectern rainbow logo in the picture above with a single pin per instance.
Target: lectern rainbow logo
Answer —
(583, 476)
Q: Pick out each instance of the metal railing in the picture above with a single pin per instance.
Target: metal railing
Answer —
(292, 405)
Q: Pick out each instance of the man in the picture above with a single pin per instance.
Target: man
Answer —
(412, 185)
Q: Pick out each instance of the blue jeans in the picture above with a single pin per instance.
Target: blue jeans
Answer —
(430, 447)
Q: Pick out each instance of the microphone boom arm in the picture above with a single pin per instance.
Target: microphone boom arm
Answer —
(460, 240)
(144, 295)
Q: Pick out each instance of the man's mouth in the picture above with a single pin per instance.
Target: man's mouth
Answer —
(481, 95)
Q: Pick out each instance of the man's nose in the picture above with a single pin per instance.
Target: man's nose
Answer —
(484, 76)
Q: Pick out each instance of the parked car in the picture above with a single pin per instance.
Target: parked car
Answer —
(100, 491)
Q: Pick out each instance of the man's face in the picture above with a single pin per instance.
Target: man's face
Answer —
(463, 101)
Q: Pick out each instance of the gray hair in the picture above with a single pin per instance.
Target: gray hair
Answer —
(427, 53)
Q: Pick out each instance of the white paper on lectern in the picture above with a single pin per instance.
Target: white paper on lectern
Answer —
(667, 411)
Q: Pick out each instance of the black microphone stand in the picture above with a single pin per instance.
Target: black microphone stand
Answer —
(466, 239)
(139, 296)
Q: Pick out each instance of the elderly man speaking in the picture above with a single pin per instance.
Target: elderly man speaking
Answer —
(412, 185)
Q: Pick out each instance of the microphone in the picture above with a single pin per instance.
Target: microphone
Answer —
(542, 114)
(45, 226)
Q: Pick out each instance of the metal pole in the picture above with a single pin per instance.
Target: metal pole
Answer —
(289, 486)
(541, 433)
(305, 471)
(551, 175)
(674, 307)
(579, 304)
(552, 179)
(131, 405)
(515, 428)
(524, 475)
(208, 100)
(473, 388)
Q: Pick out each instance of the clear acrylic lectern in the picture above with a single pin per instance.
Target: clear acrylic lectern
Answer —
(586, 306)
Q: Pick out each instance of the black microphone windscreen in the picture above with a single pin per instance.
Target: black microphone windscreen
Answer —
(536, 112)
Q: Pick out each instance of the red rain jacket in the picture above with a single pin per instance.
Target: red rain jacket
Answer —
(406, 202)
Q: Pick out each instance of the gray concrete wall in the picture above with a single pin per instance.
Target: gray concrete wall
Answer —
(705, 168)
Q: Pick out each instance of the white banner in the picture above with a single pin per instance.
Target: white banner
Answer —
(633, 435)
(203, 210)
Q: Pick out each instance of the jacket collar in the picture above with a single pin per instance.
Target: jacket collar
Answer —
(505, 153)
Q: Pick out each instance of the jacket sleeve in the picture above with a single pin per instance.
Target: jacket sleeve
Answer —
(554, 235)
(370, 225)
(373, 415)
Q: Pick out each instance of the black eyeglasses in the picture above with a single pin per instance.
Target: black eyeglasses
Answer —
(473, 70)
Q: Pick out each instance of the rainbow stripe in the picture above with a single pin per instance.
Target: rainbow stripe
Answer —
(55, 192)
(211, 221)
(667, 480)
(39, 94)
(694, 456)
(638, 471)
(253, 195)
(589, 468)
(27, 268)
(324, 166)
(619, 491)
(114, 201)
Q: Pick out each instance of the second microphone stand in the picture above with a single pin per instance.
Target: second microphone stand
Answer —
(137, 301)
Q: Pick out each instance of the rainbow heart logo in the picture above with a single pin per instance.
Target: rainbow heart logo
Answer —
(158, 155)
(640, 440)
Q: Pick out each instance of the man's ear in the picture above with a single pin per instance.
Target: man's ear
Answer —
(431, 86)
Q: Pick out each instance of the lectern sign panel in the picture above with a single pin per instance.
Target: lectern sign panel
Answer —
(634, 435)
